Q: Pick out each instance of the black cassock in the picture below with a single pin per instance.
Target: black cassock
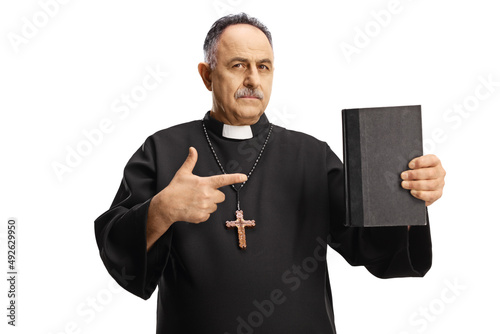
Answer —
(280, 283)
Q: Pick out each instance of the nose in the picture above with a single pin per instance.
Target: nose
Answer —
(252, 78)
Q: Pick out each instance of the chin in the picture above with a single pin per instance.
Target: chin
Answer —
(250, 114)
(250, 110)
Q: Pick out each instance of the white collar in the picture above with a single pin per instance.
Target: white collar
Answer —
(237, 131)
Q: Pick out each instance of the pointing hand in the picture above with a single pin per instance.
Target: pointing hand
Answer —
(189, 197)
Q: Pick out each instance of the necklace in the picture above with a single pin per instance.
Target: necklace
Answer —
(240, 223)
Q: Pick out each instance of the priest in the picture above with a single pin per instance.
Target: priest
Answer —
(235, 235)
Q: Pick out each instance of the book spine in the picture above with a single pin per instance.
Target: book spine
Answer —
(352, 168)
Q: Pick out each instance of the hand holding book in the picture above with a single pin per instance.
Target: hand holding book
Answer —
(425, 179)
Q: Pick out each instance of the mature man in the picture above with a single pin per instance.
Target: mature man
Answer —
(262, 269)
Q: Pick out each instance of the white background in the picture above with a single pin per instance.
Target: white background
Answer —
(65, 76)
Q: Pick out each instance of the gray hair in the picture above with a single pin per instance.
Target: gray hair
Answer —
(213, 36)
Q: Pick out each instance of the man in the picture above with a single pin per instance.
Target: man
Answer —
(170, 222)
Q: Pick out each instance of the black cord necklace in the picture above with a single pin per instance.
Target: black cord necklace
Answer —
(240, 223)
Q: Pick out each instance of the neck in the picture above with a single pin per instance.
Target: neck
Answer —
(233, 120)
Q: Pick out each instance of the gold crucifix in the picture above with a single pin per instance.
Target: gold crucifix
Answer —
(240, 223)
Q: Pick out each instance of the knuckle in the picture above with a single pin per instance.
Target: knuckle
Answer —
(425, 196)
(436, 194)
(204, 194)
(202, 217)
(433, 174)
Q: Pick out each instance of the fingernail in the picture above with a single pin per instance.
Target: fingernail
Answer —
(405, 184)
(412, 164)
(404, 175)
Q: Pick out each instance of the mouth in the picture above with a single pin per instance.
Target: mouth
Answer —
(250, 97)
(248, 93)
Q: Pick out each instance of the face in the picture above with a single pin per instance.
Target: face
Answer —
(242, 79)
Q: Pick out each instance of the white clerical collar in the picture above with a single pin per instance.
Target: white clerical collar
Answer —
(244, 132)
(237, 131)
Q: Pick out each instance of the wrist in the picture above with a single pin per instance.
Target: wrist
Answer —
(158, 217)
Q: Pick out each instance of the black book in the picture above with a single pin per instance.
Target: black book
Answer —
(378, 145)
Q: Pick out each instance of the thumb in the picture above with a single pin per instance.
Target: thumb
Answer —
(190, 162)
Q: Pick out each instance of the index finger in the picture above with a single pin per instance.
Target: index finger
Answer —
(428, 160)
(218, 181)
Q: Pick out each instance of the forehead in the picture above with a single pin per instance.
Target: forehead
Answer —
(243, 40)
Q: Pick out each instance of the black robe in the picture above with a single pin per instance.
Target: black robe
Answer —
(280, 283)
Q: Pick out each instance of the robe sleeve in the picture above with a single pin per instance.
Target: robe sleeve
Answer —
(121, 231)
(386, 252)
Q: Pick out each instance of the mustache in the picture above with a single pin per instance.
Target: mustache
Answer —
(249, 92)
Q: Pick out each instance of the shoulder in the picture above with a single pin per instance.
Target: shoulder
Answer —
(177, 130)
(174, 134)
(297, 138)
(305, 144)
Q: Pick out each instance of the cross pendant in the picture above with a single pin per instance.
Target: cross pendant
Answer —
(240, 223)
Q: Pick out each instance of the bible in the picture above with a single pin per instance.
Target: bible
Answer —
(378, 145)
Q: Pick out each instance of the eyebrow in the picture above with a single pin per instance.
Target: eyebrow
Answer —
(244, 60)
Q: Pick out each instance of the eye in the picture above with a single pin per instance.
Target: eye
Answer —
(263, 67)
(238, 65)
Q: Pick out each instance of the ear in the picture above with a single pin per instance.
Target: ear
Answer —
(206, 74)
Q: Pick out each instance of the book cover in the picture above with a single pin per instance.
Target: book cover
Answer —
(378, 145)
